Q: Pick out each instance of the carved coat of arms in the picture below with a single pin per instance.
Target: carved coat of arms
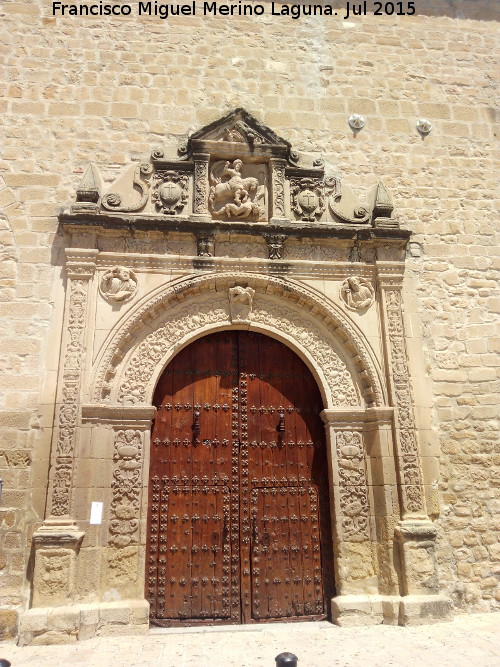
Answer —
(308, 199)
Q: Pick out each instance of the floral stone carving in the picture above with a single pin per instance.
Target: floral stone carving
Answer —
(353, 487)
(144, 361)
(119, 284)
(357, 293)
(126, 487)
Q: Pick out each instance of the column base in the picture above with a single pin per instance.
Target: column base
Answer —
(359, 610)
(425, 609)
(67, 625)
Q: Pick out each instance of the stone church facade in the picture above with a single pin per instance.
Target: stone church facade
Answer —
(248, 335)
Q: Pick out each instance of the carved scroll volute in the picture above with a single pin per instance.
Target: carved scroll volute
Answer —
(278, 210)
(201, 186)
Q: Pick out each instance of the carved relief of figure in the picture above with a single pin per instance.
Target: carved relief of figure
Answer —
(228, 185)
(356, 293)
(241, 303)
(119, 284)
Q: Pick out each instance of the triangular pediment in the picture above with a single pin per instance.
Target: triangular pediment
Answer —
(238, 127)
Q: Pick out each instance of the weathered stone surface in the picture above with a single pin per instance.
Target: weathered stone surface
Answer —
(441, 187)
(8, 623)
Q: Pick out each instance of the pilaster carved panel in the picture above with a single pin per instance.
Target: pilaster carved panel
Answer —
(353, 491)
(405, 425)
(278, 188)
(126, 488)
(70, 387)
(201, 187)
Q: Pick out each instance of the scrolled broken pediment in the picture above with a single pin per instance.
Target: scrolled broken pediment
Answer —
(234, 170)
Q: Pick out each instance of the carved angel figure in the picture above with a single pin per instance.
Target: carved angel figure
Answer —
(241, 302)
(356, 293)
(118, 284)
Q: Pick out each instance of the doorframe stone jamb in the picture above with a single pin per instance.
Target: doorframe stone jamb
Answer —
(358, 600)
(415, 532)
(59, 536)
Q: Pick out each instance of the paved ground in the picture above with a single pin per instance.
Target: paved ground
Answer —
(467, 641)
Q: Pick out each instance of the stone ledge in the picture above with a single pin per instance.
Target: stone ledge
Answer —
(359, 610)
(66, 625)
(424, 609)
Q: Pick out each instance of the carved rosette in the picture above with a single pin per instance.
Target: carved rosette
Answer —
(170, 193)
(70, 387)
(126, 488)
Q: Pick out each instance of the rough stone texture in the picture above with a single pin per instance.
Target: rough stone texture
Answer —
(468, 640)
(95, 90)
(66, 625)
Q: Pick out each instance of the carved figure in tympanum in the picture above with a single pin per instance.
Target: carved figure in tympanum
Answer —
(240, 303)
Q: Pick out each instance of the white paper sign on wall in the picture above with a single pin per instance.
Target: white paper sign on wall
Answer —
(96, 513)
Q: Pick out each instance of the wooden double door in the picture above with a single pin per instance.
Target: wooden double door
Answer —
(238, 519)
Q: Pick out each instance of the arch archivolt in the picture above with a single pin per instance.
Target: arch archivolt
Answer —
(339, 356)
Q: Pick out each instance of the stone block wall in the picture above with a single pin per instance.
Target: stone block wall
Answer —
(108, 90)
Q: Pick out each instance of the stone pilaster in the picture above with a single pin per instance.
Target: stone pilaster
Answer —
(352, 515)
(80, 268)
(390, 281)
(415, 532)
(201, 187)
(127, 466)
(278, 207)
(57, 541)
